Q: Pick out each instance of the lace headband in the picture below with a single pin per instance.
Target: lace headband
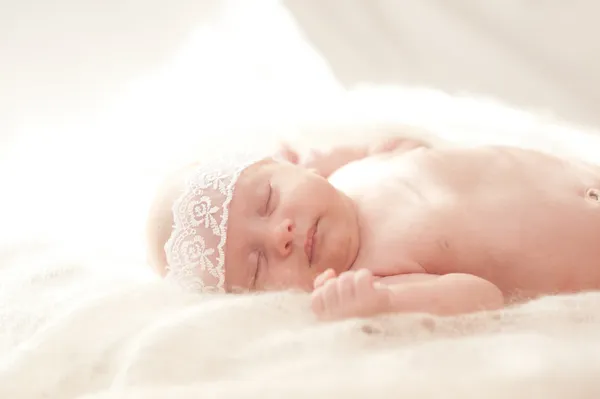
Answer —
(195, 250)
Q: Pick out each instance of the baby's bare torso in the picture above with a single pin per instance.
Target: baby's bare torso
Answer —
(523, 220)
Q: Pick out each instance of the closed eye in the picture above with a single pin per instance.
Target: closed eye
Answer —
(268, 201)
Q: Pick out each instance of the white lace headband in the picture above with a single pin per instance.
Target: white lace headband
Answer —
(195, 250)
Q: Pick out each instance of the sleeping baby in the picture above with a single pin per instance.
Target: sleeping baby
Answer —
(396, 226)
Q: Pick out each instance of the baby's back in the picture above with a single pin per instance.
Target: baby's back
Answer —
(526, 221)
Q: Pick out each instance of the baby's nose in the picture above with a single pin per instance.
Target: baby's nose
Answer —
(283, 237)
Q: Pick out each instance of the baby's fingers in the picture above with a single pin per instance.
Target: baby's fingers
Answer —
(399, 144)
(363, 281)
(346, 287)
(317, 303)
(323, 277)
(331, 295)
(324, 299)
(287, 153)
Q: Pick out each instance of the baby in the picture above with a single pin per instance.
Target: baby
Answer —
(398, 226)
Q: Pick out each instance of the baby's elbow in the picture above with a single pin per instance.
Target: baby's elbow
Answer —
(493, 298)
(483, 294)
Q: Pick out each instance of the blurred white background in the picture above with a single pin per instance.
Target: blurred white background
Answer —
(542, 55)
(98, 96)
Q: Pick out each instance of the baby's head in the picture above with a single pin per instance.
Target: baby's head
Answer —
(246, 225)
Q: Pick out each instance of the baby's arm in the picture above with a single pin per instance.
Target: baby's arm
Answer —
(443, 295)
(325, 162)
(360, 294)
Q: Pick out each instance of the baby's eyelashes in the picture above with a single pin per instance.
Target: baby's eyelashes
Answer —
(268, 200)
(272, 201)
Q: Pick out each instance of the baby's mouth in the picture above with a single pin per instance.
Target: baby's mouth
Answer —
(310, 243)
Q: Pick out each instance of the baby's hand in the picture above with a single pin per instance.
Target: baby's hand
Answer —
(398, 144)
(322, 162)
(326, 161)
(287, 153)
(352, 294)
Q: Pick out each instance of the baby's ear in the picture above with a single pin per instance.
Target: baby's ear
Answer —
(287, 153)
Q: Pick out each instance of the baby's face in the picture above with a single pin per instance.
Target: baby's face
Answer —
(287, 225)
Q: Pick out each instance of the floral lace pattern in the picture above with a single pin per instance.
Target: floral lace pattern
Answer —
(195, 250)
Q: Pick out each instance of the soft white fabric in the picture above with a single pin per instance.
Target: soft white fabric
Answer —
(71, 328)
(87, 319)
